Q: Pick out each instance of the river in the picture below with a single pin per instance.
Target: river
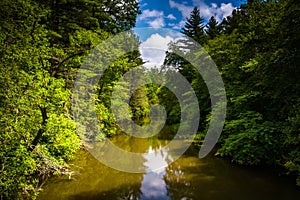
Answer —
(188, 177)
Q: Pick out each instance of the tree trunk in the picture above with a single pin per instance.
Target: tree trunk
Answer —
(41, 130)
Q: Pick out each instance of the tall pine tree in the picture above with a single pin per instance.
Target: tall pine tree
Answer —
(213, 29)
(194, 27)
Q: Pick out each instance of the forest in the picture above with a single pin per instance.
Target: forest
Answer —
(44, 43)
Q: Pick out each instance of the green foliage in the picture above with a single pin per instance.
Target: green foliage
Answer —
(108, 83)
(60, 138)
(43, 45)
(111, 16)
(260, 70)
(257, 54)
(139, 104)
(251, 141)
(292, 144)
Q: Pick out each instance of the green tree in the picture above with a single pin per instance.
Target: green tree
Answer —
(44, 43)
(194, 27)
(258, 60)
(213, 29)
(33, 105)
(235, 21)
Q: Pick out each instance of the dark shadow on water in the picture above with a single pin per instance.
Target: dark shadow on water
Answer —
(124, 192)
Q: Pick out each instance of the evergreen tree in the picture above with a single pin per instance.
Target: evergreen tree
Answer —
(194, 27)
(213, 29)
(237, 20)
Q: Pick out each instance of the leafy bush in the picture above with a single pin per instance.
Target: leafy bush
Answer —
(60, 138)
(292, 144)
(252, 142)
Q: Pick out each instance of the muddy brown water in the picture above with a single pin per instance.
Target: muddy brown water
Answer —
(188, 177)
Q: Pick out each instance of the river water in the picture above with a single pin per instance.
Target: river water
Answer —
(188, 177)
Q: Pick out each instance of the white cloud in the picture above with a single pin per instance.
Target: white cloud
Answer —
(157, 41)
(154, 48)
(184, 9)
(171, 16)
(226, 9)
(206, 11)
(157, 23)
(150, 13)
(153, 18)
(214, 5)
(219, 12)
(180, 25)
(143, 5)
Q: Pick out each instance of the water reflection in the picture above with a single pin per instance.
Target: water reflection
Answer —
(153, 185)
(186, 178)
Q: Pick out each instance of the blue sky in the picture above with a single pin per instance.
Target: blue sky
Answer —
(165, 18)
(172, 13)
